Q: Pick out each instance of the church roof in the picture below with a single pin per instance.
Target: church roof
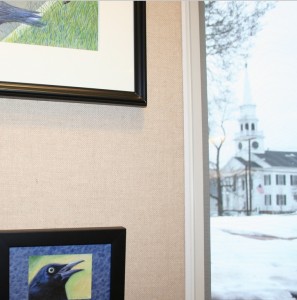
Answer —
(279, 158)
(246, 162)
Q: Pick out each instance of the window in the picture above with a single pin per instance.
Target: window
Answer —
(280, 179)
(267, 199)
(255, 145)
(228, 182)
(248, 205)
(267, 179)
(293, 179)
(281, 199)
(234, 183)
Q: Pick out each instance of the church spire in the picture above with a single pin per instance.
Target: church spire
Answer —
(249, 136)
(247, 95)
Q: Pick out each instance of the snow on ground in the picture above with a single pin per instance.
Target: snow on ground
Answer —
(254, 258)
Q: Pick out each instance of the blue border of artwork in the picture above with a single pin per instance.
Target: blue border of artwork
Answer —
(19, 263)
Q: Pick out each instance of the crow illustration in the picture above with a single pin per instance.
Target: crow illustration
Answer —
(49, 282)
(9, 13)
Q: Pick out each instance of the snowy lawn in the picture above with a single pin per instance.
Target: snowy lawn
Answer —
(254, 258)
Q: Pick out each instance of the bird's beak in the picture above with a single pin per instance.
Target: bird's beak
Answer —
(66, 271)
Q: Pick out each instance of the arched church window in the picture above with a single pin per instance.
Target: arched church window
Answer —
(247, 126)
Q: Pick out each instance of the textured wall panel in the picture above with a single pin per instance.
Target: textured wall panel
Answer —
(76, 165)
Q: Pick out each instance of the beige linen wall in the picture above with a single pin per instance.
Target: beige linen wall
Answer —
(77, 165)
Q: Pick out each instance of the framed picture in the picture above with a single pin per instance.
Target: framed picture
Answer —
(76, 51)
(63, 264)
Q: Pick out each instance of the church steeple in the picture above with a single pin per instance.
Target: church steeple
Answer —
(247, 96)
(249, 135)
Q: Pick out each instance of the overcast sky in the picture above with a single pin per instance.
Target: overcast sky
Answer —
(272, 70)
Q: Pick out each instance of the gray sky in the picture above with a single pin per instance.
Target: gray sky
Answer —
(272, 70)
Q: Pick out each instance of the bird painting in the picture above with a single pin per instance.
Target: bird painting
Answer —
(10, 13)
(49, 282)
(63, 24)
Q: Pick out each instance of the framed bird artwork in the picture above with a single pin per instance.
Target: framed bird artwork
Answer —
(71, 264)
(76, 51)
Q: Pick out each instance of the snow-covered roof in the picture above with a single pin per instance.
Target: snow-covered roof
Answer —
(279, 158)
(246, 162)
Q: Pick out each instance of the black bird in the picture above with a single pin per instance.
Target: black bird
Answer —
(9, 13)
(49, 282)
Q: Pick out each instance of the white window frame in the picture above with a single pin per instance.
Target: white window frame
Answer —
(281, 199)
(293, 180)
(280, 179)
(267, 200)
(267, 179)
(197, 233)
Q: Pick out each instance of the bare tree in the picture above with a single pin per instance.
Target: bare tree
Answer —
(230, 25)
(217, 192)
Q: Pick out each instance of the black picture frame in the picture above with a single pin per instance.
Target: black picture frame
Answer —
(138, 97)
(46, 240)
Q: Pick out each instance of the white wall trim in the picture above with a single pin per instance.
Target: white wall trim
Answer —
(196, 154)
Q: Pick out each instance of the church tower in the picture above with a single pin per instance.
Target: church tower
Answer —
(249, 136)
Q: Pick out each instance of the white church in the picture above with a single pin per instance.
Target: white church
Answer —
(256, 180)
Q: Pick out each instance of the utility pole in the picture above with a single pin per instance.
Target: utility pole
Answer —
(250, 188)
(250, 178)
(246, 190)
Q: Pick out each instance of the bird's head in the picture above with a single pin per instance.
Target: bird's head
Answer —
(56, 273)
(62, 272)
